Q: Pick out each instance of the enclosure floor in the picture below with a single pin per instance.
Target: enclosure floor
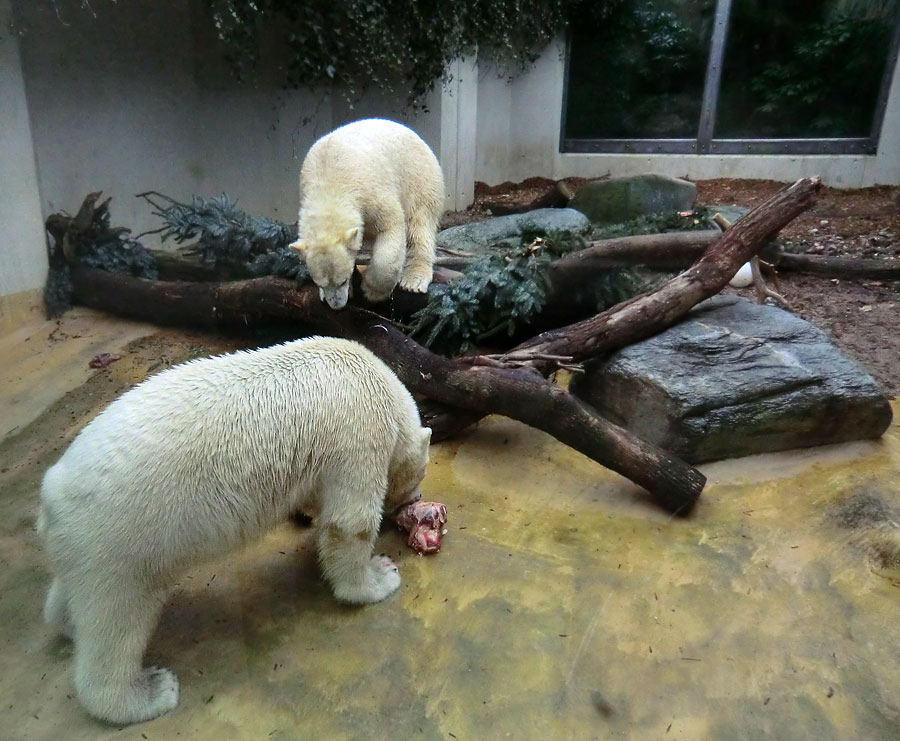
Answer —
(563, 604)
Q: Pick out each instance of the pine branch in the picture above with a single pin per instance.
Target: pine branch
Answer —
(89, 239)
(501, 292)
(221, 233)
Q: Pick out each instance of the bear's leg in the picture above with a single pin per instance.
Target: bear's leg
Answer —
(383, 273)
(56, 609)
(113, 623)
(347, 528)
(419, 270)
(354, 573)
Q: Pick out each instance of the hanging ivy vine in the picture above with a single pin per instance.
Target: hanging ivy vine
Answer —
(398, 46)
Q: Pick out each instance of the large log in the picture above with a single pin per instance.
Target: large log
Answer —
(484, 385)
(848, 268)
(520, 394)
(649, 314)
(669, 251)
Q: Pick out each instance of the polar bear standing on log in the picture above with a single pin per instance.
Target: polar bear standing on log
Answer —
(374, 182)
(197, 461)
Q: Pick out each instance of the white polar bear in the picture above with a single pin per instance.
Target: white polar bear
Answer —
(197, 461)
(377, 182)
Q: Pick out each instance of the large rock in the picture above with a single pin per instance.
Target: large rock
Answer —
(509, 229)
(733, 379)
(622, 199)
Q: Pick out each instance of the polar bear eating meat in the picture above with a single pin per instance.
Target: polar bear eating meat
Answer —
(374, 183)
(200, 459)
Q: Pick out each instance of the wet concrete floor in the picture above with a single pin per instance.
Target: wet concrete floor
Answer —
(563, 604)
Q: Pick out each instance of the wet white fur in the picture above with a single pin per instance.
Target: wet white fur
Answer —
(372, 181)
(202, 458)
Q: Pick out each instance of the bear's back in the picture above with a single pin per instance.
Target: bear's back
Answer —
(311, 393)
(374, 136)
(372, 157)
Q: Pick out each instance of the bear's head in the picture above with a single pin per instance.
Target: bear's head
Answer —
(408, 470)
(330, 259)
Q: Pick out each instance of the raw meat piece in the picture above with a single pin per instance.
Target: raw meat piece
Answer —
(425, 522)
(103, 359)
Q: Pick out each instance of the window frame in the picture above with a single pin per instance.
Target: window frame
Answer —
(705, 142)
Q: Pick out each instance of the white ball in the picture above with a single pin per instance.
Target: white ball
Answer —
(743, 277)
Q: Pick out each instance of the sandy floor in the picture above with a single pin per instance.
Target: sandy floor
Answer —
(563, 605)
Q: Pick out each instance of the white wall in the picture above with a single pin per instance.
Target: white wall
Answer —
(459, 129)
(518, 120)
(23, 253)
(519, 134)
(125, 97)
(128, 97)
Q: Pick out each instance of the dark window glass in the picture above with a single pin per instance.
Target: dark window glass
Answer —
(637, 69)
(803, 68)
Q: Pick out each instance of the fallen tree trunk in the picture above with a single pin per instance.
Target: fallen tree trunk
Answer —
(840, 267)
(646, 315)
(649, 314)
(669, 251)
(520, 394)
(485, 385)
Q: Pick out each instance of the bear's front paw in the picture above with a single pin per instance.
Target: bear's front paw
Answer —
(151, 693)
(387, 577)
(380, 580)
(375, 294)
(163, 695)
(416, 280)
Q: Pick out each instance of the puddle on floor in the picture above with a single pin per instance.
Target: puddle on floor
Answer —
(563, 604)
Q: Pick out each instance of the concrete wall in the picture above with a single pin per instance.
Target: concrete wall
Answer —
(23, 256)
(519, 134)
(518, 120)
(126, 97)
(130, 96)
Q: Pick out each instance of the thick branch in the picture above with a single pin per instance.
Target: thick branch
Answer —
(646, 315)
(671, 250)
(840, 267)
(519, 394)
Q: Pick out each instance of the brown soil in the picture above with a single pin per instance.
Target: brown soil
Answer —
(862, 316)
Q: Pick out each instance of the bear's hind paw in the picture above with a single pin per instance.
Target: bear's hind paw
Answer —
(161, 688)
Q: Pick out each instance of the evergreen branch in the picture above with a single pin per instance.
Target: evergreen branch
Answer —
(223, 234)
(500, 291)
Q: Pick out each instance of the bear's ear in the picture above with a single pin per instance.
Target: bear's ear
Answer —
(350, 237)
(299, 245)
(425, 438)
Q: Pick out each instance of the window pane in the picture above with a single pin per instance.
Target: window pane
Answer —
(803, 68)
(636, 69)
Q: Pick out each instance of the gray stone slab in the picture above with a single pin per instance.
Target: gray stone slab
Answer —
(616, 200)
(735, 378)
(509, 229)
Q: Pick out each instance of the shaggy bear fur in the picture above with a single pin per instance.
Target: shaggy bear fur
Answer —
(199, 460)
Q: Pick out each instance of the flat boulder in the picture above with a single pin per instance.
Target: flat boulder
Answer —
(733, 379)
(509, 229)
(616, 200)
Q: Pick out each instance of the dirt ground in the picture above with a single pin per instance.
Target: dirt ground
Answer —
(863, 316)
(560, 596)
